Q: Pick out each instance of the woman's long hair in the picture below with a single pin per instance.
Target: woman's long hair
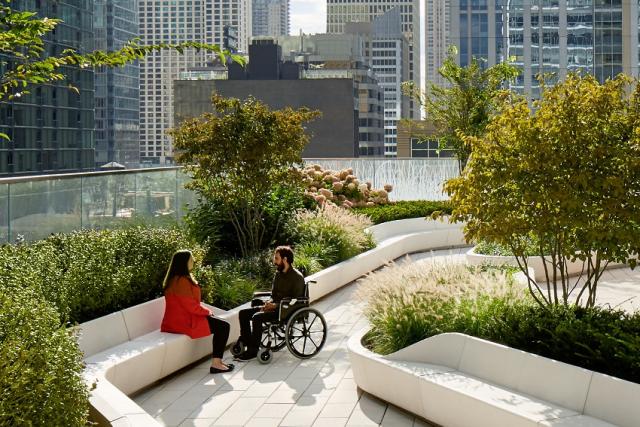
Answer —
(179, 266)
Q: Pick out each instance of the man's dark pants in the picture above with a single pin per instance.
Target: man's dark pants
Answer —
(251, 321)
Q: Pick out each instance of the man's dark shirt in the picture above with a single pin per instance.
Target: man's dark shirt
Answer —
(287, 285)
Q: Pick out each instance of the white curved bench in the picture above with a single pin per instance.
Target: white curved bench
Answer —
(458, 380)
(125, 351)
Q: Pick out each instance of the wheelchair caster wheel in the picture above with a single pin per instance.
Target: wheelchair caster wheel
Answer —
(264, 356)
(237, 348)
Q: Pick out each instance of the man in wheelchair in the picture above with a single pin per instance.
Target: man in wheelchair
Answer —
(287, 283)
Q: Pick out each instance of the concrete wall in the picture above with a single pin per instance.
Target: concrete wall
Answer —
(332, 135)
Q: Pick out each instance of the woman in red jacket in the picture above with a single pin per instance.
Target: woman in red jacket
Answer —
(185, 315)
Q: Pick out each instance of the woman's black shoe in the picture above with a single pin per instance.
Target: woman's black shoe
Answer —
(213, 370)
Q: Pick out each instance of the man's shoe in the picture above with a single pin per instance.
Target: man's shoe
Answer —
(247, 355)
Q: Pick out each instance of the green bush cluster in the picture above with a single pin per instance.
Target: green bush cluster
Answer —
(403, 210)
(41, 366)
(208, 223)
(531, 248)
(328, 236)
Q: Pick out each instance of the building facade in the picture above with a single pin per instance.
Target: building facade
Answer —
(270, 18)
(390, 63)
(437, 27)
(117, 94)
(549, 37)
(345, 56)
(173, 22)
(52, 128)
(341, 12)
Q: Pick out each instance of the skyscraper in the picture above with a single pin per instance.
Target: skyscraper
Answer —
(437, 27)
(390, 63)
(117, 89)
(339, 12)
(51, 129)
(173, 22)
(549, 37)
(270, 17)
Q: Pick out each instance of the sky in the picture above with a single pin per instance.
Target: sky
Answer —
(308, 15)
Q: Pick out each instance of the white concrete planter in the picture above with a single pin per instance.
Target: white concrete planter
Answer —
(534, 263)
(458, 380)
(125, 351)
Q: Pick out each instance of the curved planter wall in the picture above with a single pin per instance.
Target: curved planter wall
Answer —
(534, 263)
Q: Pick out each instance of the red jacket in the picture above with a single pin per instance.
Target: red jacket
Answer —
(183, 313)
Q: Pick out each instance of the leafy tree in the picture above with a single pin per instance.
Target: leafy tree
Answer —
(22, 36)
(238, 155)
(465, 104)
(566, 175)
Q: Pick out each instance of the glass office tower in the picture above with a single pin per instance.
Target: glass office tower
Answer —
(52, 129)
(117, 89)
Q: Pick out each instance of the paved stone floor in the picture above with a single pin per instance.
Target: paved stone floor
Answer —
(315, 392)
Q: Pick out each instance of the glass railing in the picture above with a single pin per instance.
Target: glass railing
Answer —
(34, 207)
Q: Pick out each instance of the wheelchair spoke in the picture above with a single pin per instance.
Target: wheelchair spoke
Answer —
(314, 343)
(293, 341)
(314, 321)
(304, 345)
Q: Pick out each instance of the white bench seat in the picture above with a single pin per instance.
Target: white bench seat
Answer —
(457, 380)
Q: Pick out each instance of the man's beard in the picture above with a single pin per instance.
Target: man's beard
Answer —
(280, 267)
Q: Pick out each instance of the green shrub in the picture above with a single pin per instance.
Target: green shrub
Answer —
(490, 248)
(209, 225)
(403, 210)
(311, 257)
(41, 366)
(109, 270)
(408, 304)
(225, 288)
(341, 232)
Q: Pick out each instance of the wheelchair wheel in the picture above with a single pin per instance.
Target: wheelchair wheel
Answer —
(264, 356)
(306, 332)
(237, 348)
(278, 341)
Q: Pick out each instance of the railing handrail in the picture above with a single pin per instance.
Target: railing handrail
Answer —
(34, 178)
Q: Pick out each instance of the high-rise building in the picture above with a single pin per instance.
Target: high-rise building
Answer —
(173, 22)
(390, 63)
(52, 128)
(117, 89)
(236, 14)
(340, 12)
(270, 17)
(549, 37)
(436, 43)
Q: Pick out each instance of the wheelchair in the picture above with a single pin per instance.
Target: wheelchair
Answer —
(300, 328)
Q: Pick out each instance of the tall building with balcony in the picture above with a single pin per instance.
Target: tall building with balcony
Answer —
(270, 17)
(215, 22)
(549, 37)
(117, 94)
(52, 128)
(340, 12)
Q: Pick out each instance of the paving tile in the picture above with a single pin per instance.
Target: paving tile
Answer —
(337, 410)
(263, 422)
(216, 405)
(396, 417)
(172, 418)
(202, 422)
(330, 422)
(273, 410)
(240, 412)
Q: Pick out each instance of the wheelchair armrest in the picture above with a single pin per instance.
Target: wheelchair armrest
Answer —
(261, 294)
